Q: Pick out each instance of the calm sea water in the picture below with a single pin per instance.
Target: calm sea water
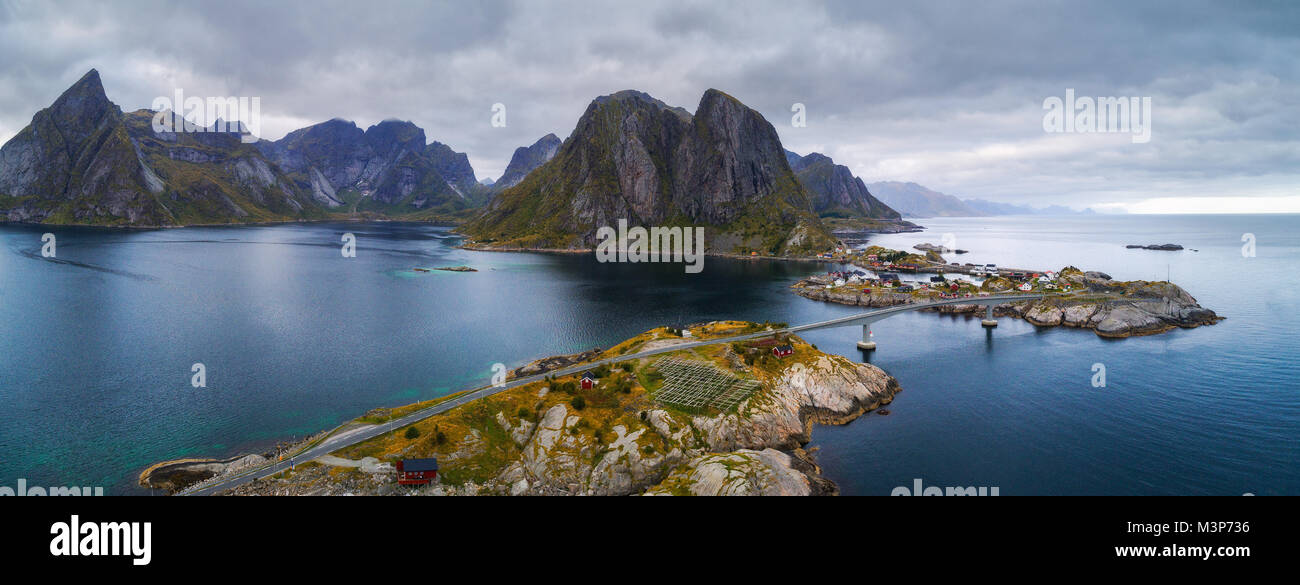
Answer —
(96, 347)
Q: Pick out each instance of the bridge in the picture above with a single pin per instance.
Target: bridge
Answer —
(869, 317)
(342, 438)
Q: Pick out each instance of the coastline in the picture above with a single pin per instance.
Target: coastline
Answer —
(553, 447)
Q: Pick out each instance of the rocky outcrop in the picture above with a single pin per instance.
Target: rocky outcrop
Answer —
(175, 475)
(832, 390)
(632, 157)
(849, 295)
(696, 453)
(744, 472)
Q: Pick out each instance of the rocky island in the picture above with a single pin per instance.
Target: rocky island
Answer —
(1087, 300)
(1165, 247)
(644, 426)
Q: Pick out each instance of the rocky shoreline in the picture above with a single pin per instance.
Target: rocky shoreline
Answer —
(1108, 307)
(539, 439)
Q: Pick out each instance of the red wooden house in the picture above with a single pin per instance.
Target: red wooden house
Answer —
(417, 471)
(588, 380)
(782, 350)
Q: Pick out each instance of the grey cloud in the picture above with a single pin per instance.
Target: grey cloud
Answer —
(945, 94)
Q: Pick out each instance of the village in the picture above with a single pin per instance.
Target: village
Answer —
(878, 270)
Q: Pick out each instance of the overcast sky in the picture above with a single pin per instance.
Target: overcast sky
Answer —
(949, 95)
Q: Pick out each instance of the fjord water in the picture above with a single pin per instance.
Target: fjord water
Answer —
(97, 344)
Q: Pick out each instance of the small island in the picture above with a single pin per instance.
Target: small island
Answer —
(457, 269)
(1166, 247)
(1087, 300)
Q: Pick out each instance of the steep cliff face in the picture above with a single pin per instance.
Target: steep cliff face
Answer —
(835, 191)
(526, 159)
(76, 163)
(633, 157)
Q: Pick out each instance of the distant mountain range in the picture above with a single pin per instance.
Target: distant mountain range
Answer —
(914, 200)
(995, 208)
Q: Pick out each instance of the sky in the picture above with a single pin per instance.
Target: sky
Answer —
(950, 95)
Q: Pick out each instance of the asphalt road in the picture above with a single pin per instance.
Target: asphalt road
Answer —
(336, 442)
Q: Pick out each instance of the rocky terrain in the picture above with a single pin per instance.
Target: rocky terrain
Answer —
(835, 191)
(83, 161)
(386, 168)
(619, 438)
(526, 159)
(636, 158)
(1108, 307)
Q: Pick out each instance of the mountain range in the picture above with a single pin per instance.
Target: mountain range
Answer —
(914, 200)
(630, 156)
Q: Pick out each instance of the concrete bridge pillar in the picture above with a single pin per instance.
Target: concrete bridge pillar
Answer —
(866, 344)
(989, 321)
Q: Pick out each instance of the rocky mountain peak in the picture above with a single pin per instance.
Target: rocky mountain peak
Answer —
(81, 108)
(400, 133)
(528, 158)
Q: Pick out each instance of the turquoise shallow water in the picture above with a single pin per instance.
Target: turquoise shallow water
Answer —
(96, 349)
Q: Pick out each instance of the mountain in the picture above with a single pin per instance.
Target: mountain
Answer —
(83, 161)
(635, 158)
(526, 159)
(913, 200)
(995, 208)
(835, 191)
(388, 168)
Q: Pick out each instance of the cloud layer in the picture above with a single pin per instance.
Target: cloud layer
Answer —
(949, 95)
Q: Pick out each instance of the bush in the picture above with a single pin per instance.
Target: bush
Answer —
(412, 433)
(524, 413)
(578, 403)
